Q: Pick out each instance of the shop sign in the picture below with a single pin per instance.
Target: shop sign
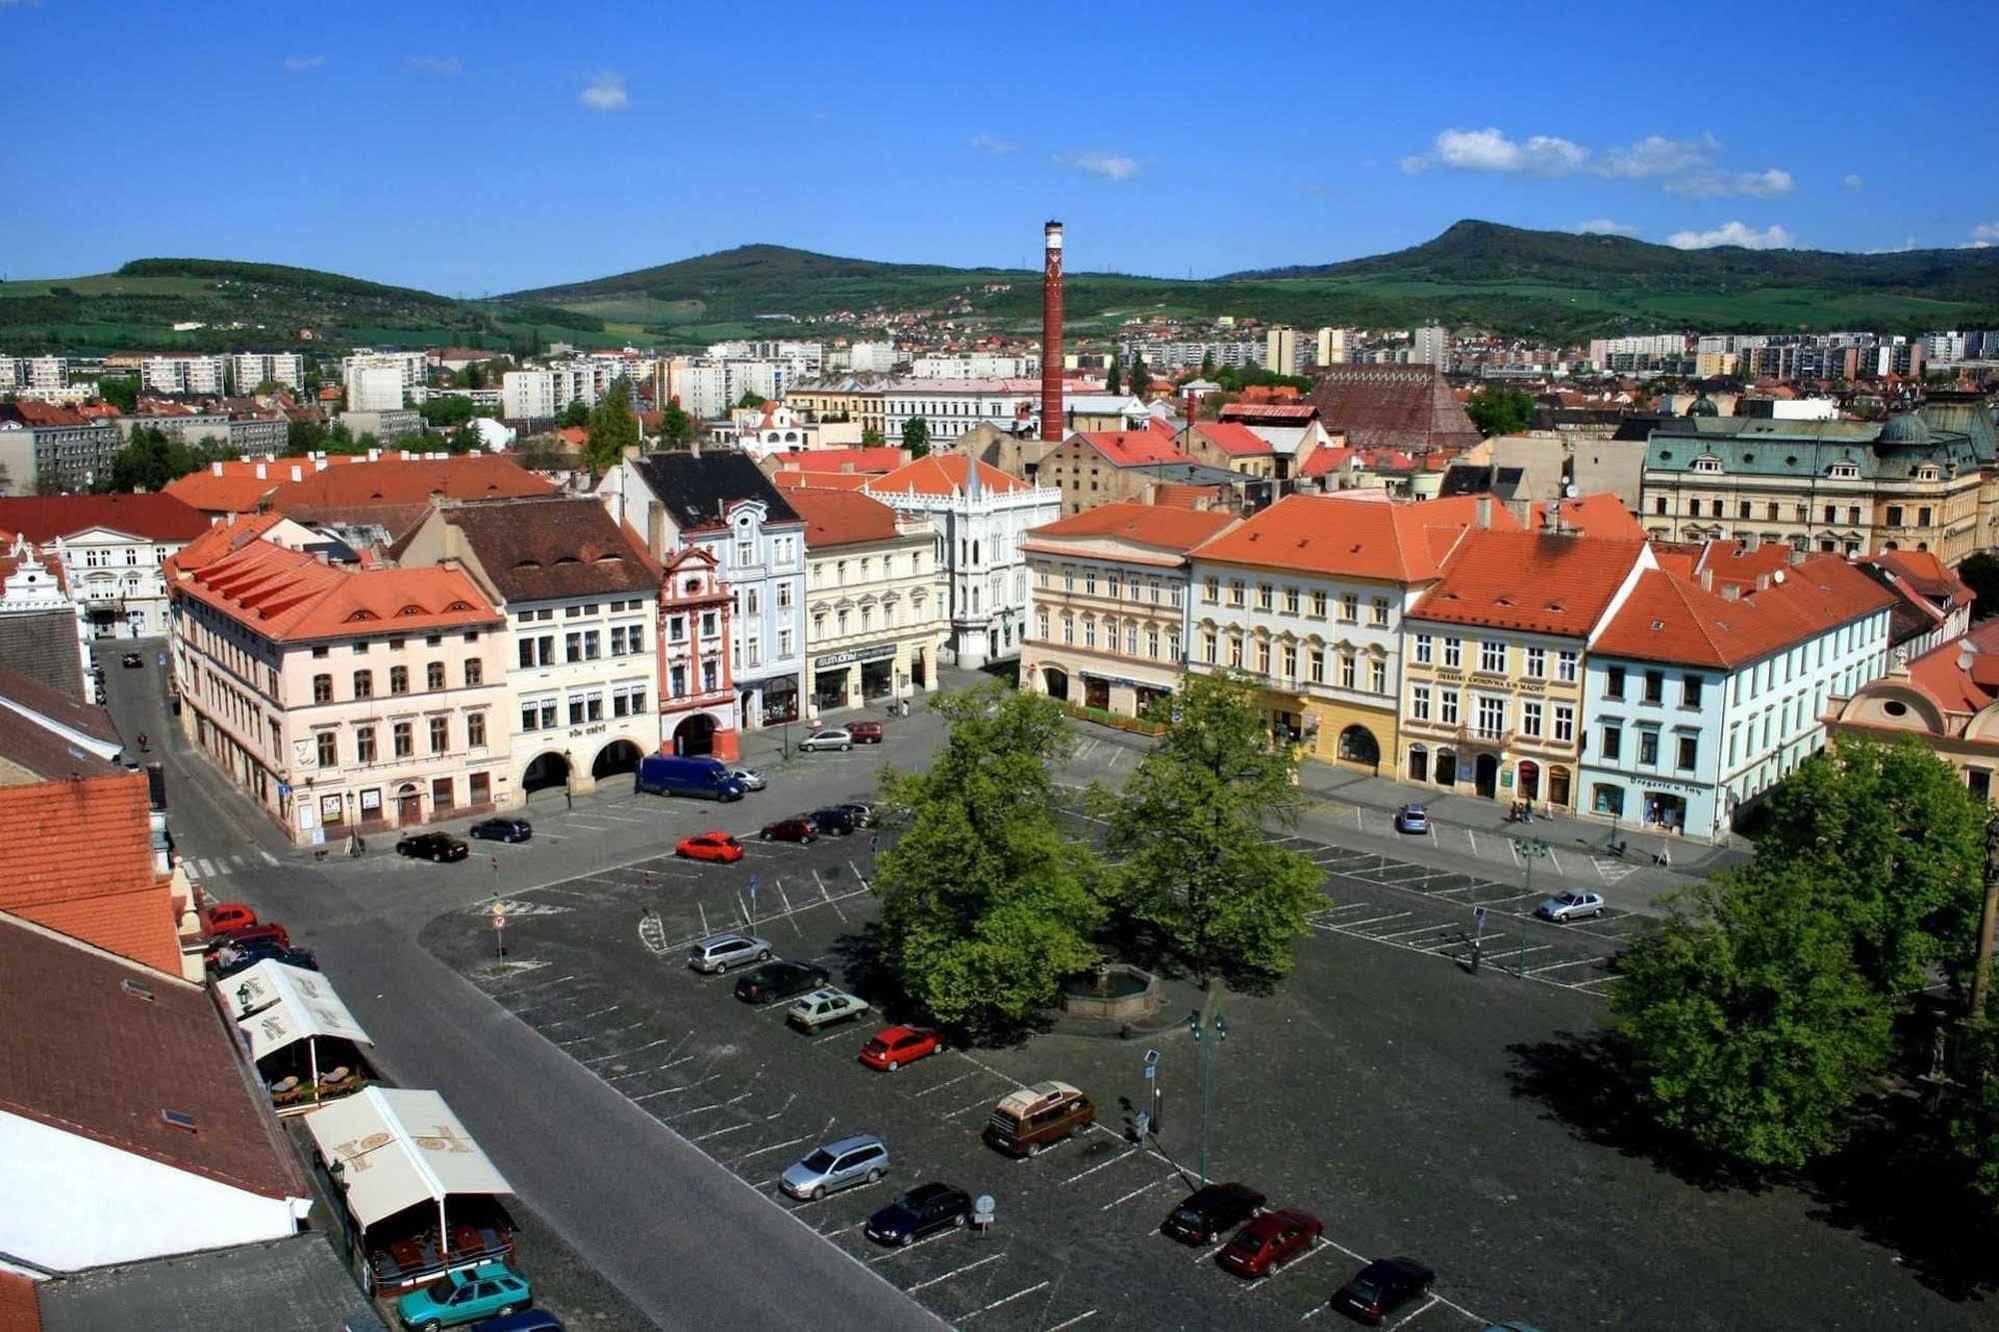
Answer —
(879, 652)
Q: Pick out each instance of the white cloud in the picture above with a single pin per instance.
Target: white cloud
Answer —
(446, 65)
(1730, 184)
(606, 92)
(1657, 155)
(1603, 226)
(1853, 180)
(991, 143)
(1982, 235)
(1111, 166)
(1734, 233)
(1908, 244)
(299, 64)
(1491, 150)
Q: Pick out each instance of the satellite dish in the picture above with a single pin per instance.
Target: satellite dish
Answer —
(1569, 490)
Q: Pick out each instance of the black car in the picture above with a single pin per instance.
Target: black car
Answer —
(1206, 1213)
(432, 846)
(835, 819)
(131, 660)
(773, 981)
(242, 959)
(1382, 1287)
(923, 1210)
(501, 830)
(797, 829)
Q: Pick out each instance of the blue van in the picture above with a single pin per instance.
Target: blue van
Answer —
(702, 778)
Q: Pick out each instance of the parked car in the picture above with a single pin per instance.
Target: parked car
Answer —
(246, 936)
(717, 953)
(1381, 1288)
(863, 813)
(924, 1210)
(674, 774)
(1270, 1241)
(822, 1008)
(799, 828)
(434, 846)
(131, 660)
(501, 830)
(834, 819)
(835, 737)
(465, 1297)
(892, 1047)
(526, 1320)
(1209, 1211)
(865, 732)
(1028, 1120)
(751, 779)
(710, 845)
(1565, 907)
(779, 980)
(222, 917)
(229, 961)
(861, 1159)
(1412, 819)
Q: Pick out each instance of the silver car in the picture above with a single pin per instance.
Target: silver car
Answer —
(1564, 907)
(751, 779)
(836, 737)
(719, 952)
(861, 1159)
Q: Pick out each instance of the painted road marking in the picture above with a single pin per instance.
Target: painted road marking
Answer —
(905, 1248)
(1102, 1165)
(954, 1272)
(669, 1091)
(1127, 1197)
(1375, 920)
(719, 1132)
(1004, 1299)
(774, 1147)
(1073, 1321)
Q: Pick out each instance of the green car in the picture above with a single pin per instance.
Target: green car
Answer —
(487, 1291)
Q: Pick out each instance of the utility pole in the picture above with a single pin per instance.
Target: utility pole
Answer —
(1207, 1037)
(1531, 849)
(1981, 980)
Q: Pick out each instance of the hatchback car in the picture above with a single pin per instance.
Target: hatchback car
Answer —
(865, 733)
(863, 813)
(822, 1008)
(486, 1291)
(892, 1047)
(779, 980)
(1270, 1241)
(226, 917)
(710, 845)
(1412, 819)
(924, 1210)
(501, 830)
(1381, 1288)
(719, 952)
(800, 828)
(1565, 907)
(1209, 1211)
(433, 846)
(861, 1159)
(835, 738)
(751, 779)
(836, 819)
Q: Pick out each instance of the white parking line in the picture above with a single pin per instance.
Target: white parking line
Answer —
(952, 1114)
(1411, 1317)
(905, 1248)
(1421, 929)
(1350, 906)
(559, 1022)
(1595, 980)
(829, 897)
(1102, 1165)
(1004, 1299)
(774, 1147)
(1374, 920)
(697, 1110)
(669, 1091)
(719, 1132)
(1557, 966)
(1073, 1321)
(1127, 1197)
(269, 859)
(1317, 1248)
(949, 1082)
(954, 1272)
(1209, 1256)
(1556, 861)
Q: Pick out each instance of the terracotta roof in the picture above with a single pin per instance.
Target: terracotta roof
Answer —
(220, 539)
(1235, 439)
(1678, 557)
(155, 517)
(35, 412)
(79, 857)
(82, 1053)
(535, 549)
(1530, 581)
(943, 474)
(288, 595)
(1733, 563)
(1335, 535)
(1601, 515)
(791, 482)
(1954, 687)
(1672, 620)
(1184, 497)
(1133, 448)
(57, 706)
(232, 492)
(877, 459)
(842, 518)
(576, 437)
(1927, 574)
(1277, 413)
(1392, 406)
(473, 476)
(1331, 458)
(1148, 524)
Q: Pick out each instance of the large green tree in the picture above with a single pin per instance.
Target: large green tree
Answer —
(1114, 377)
(1140, 379)
(1196, 862)
(121, 391)
(871, 438)
(676, 427)
(446, 409)
(1980, 572)
(577, 413)
(1499, 411)
(152, 457)
(916, 437)
(985, 906)
(612, 427)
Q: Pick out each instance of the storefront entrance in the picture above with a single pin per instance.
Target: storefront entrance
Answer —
(1055, 683)
(1527, 780)
(695, 735)
(780, 701)
(1358, 745)
(877, 679)
(409, 804)
(1096, 693)
(1664, 811)
(1447, 767)
(1419, 764)
(1485, 775)
(829, 689)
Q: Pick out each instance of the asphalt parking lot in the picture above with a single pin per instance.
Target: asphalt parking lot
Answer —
(1378, 1088)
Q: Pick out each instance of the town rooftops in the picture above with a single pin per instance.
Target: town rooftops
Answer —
(1170, 527)
(1269, 413)
(1347, 537)
(791, 480)
(875, 458)
(538, 549)
(1961, 676)
(1407, 407)
(1598, 515)
(295, 1284)
(697, 488)
(843, 518)
(290, 596)
(1924, 573)
(1234, 438)
(1761, 446)
(44, 518)
(1530, 581)
(353, 481)
(26, 696)
(944, 474)
(1669, 619)
(1133, 448)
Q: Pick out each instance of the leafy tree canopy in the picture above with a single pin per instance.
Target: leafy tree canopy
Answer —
(916, 437)
(1499, 411)
(1980, 571)
(613, 428)
(121, 391)
(153, 457)
(676, 427)
(871, 438)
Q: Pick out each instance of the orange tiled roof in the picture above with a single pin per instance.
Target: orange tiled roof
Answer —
(386, 481)
(1530, 581)
(1670, 619)
(789, 480)
(1954, 688)
(1234, 438)
(1172, 527)
(944, 474)
(842, 518)
(43, 518)
(79, 857)
(1602, 514)
(1401, 543)
(1734, 563)
(1927, 574)
(289, 595)
(1133, 448)
(873, 458)
(1184, 497)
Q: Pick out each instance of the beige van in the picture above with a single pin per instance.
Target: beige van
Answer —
(1034, 1117)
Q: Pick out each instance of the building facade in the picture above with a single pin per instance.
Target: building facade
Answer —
(112, 549)
(184, 374)
(249, 369)
(1947, 700)
(48, 448)
(876, 599)
(950, 407)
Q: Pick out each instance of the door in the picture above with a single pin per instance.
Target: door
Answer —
(409, 806)
(1419, 764)
(1485, 775)
(1527, 780)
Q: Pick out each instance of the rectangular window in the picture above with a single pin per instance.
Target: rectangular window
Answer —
(1235, 592)
(1648, 748)
(676, 629)
(527, 653)
(593, 645)
(1264, 593)
(440, 734)
(1655, 686)
(1381, 610)
(1530, 717)
(1454, 653)
(1346, 670)
(1565, 665)
(1263, 658)
(1318, 666)
(1689, 750)
(405, 737)
(1290, 601)
(475, 730)
(1419, 702)
(1613, 682)
(1350, 607)
(433, 675)
(576, 710)
(1152, 640)
(1210, 589)
(1613, 742)
(1377, 675)
(322, 689)
(364, 744)
(1447, 706)
(1208, 648)
(399, 679)
(1491, 657)
(329, 753)
(1173, 645)
(1424, 644)
(475, 672)
(1319, 605)
(1491, 717)
(364, 684)
(1565, 723)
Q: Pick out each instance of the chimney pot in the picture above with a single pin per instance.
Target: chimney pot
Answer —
(1707, 580)
(298, 472)
(1752, 541)
(1797, 555)
(1965, 654)
(261, 476)
(1731, 591)
(1484, 511)
(1763, 582)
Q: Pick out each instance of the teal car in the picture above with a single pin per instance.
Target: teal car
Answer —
(487, 1291)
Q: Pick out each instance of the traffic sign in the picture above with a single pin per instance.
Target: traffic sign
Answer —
(1151, 1058)
(284, 789)
(1151, 1070)
(499, 921)
(1478, 919)
(753, 883)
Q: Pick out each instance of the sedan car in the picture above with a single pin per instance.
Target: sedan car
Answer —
(719, 952)
(1210, 1210)
(834, 819)
(1412, 819)
(779, 980)
(1270, 1241)
(435, 846)
(710, 845)
(1381, 1288)
(131, 660)
(836, 737)
(501, 830)
(822, 1008)
(465, 1297)
(229, 960)
(799, 828)
(751, 779)
(865, 733)
(892, 1047)
(1564, 907)
(861, 1159)
(924, 1210)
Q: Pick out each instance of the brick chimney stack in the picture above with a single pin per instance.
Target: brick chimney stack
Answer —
(1051, 332)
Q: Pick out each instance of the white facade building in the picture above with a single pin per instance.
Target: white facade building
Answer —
(952, 407)
(871, 357)
(412, 370)
(374, 388)
(184, 374)
(811, 354)
(976, 365)
(44, 373)
(1430, 346)
(249, 369)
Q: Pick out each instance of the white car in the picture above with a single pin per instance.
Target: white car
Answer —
(1565, 907)
(751, 779)
(837, 737)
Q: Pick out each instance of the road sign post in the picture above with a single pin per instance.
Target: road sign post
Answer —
(500, 933)
(1531, 849)
(753, 899)
(1158, 1091)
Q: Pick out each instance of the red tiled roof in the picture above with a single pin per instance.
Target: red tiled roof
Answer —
(1275, 413)
(880, 459)
(79, 857)
(1328, 459)
(1234, 438)
(1148, 524)
(1954, 688)
(1133, 448)
(473, 476)
(1392, 406)
(1678, 557)
(574, 436)
(1602, 514)
(20, 1306)
(842, 518)
(943, 474)
(1733, 562)
(35, 412)
(1530, 581)
(1401, 543)
(232, 492)
(154, 517)
(790, 481)
(1184, 497)
(1927, 574)
(1669, 619)
(219, 540)
(58, 707)
(289, 595)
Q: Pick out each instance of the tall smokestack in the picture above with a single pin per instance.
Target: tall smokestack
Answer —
(1051, 332)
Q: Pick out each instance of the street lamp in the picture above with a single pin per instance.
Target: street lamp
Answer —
(1531, 849)
(1207, 1037)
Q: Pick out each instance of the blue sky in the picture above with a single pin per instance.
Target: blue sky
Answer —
(473, 146)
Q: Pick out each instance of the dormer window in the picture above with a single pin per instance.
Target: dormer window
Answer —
(1707, 464)
(1844, 471)
(1926, 474)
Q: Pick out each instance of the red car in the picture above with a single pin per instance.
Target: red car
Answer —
(1270, 1241)
(246, 935)
(865, 733)
(892, 1047)
(222, 917)
(800, 829)
(710, 846)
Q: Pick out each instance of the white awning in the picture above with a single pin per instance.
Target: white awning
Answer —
(277, 1004)
(398, 1148)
